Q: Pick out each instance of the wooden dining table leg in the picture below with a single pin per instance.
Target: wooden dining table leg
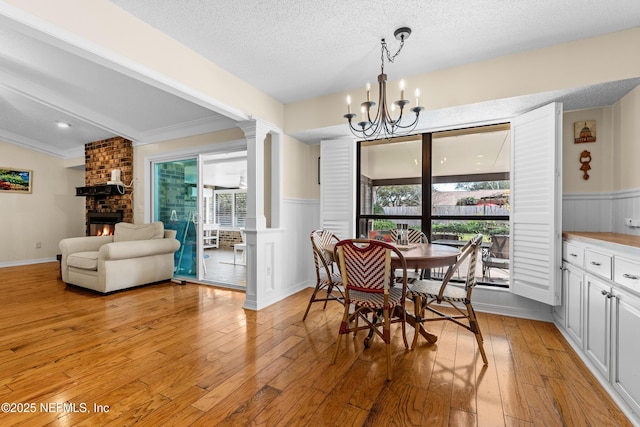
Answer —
(421, 330)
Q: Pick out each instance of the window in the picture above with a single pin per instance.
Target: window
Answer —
(450, 185)
(230, 208)
(390, 185)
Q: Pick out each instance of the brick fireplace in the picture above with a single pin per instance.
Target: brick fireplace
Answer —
(101, 157)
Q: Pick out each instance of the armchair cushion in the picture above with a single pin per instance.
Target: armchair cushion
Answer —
(125, 232)
(86, 260)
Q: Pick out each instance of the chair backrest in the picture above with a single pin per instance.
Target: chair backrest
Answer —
(365, 265)
(469, 255)
(322, 258)
(499, 246)
(415, 236)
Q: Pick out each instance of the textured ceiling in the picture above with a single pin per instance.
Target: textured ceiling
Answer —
(289, 49)
(299, 49)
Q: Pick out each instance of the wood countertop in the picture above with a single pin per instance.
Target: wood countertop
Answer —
(617, 238)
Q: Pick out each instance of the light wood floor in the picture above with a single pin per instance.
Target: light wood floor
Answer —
(190, 355)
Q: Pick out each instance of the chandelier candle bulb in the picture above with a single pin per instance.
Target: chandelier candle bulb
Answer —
(368, 92)
(348, 104)
(417, 97)
(401, 90)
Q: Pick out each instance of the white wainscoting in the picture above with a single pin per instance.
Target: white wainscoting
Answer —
(587, 212)
(626, 204)
(300, 217)
(604, 212)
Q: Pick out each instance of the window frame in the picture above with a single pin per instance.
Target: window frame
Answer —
(234, 217)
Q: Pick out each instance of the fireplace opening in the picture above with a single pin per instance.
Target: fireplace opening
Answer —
(102, 223)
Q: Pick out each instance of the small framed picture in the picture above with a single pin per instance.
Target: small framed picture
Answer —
(584, 131)
(15, 180)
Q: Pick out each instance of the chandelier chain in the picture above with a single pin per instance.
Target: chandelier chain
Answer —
(385, 49)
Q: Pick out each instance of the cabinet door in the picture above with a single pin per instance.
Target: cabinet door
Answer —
(573, 282)
(626, 347)
(560, 311)
(598, 323)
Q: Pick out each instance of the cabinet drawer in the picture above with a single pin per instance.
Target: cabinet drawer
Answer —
(573, 254)
(627, 273)
(598, 263)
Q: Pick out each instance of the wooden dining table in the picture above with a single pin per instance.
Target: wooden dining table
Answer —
(423, 256)
(420, 256)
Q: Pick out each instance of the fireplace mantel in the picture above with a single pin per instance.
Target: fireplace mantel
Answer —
(101, 190)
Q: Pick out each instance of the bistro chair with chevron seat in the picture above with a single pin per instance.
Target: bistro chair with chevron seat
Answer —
(414, 236)
(369, 288)
(428, 294)
(327, 280)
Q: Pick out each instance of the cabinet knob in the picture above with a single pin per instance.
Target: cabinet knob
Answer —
(595, 263)
(574, 255)
(603, 292)
(630, 276)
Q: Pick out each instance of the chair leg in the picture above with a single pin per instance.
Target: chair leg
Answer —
(404, 328)
(419, 312)
(475, 328)
(386, 335)
(311, 301)
(344, 327)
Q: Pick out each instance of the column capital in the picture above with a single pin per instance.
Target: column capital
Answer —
(257, 129)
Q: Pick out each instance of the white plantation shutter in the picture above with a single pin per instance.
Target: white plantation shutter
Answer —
(536, 207)
(337, 186)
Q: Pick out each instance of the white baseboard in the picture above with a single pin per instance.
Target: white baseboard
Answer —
(25, 262)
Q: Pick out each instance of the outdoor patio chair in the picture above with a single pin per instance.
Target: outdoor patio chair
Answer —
(497, 256)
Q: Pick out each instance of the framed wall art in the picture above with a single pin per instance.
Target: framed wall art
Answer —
(584, 131)
(15, 180)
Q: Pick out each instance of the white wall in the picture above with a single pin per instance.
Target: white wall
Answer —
(47, 215)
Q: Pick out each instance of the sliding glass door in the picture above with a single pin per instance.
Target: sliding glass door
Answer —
(175, 203)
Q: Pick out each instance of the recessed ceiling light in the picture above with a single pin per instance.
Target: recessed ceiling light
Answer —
(63, 125)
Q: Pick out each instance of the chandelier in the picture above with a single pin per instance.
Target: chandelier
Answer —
(386, 122)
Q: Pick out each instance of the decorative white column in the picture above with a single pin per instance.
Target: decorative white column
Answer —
(255, 132)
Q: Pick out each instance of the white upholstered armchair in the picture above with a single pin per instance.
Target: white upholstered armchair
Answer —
(135, 255)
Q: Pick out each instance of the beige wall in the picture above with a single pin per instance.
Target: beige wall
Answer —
(615, 154)
(47, 215)
(626, 160)
(601, 173)
(300, 173)
(548, 69)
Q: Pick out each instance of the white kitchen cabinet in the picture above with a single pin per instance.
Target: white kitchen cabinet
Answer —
(573, 287)
(600, 312)
(626, 347)
(597, 337)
